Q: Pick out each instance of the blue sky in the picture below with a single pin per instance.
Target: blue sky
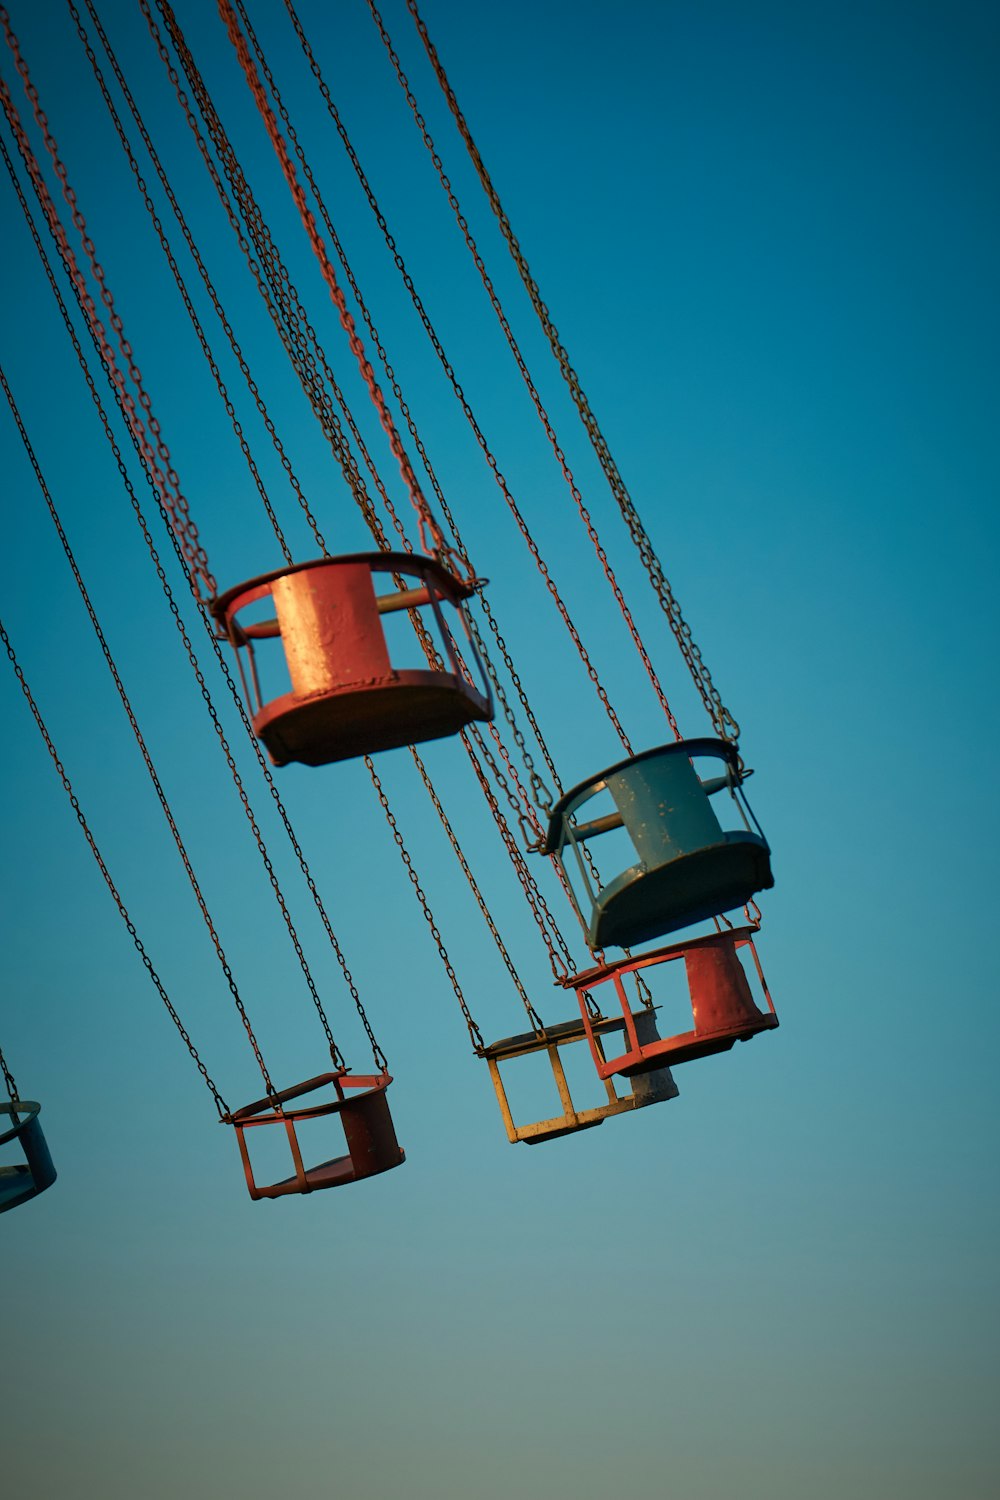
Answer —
(768, 237)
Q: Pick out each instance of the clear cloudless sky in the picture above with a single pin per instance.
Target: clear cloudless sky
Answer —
(768, 235)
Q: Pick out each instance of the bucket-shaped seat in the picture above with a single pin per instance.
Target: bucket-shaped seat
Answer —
(21, 1181)
(722, 1005)
(687, 866)
(363, 1110)
(346, 697)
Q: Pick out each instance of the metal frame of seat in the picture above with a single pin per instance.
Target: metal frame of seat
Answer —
(372, 1146)
(654, 1088)
(346, 697)
(724, 1020)
(688, 867)
(21, 1182)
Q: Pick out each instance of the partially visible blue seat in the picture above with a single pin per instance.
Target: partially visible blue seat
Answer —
(688, 866)
(22, 1181)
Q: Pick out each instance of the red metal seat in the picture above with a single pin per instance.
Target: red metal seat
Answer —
(347, 698)
(372, 1146)
(652, 1089)
(722, 1005)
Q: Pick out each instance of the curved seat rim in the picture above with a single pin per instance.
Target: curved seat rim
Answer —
(364, 1085)
(29, 1108)
(602, 972)
(417, 563)
(537, 1041)
(705, 745)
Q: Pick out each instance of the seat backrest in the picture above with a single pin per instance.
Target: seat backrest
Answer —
(720, 992)
(370, 1132)
(330, 627)
(665, 810)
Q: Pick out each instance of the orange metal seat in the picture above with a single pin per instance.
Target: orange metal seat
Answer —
(372, 1146)
(722, 1005)
(347, 698)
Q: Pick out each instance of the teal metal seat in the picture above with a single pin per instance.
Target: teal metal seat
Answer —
(688, 867)
(24, 1180)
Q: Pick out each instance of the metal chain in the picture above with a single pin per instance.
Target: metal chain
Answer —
(166, 477)
(532, 1014)
(270, 275)
(137, 732)
(560, 957)
(209, 285)
(475, 1034)
(527, 818)
(180, 283)
(8, 1079)
(294, 329)
(536, 399)
(213, 641)
(723, 720)
(470, 417)
(220, 1103)
(431, 536)
(538, 786)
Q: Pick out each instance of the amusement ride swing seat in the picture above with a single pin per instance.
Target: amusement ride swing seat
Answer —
(654, 1087)
(688, 867)
(722, 1005)
(20, 1182)
(372, 1146)
(346, 697)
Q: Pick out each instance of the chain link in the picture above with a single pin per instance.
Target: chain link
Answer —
(8, 1079)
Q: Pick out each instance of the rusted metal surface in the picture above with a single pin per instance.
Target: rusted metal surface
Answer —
(23, 1181)
(654, 1088)
(723, 1009)
(347, 699)
(363, 1109)
(687, 866)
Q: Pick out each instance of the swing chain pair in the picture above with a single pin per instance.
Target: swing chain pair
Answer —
(404, 854)
(560, 957)
(721, 717)
(220, 1103)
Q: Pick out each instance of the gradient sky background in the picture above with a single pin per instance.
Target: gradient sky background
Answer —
(768, 235)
